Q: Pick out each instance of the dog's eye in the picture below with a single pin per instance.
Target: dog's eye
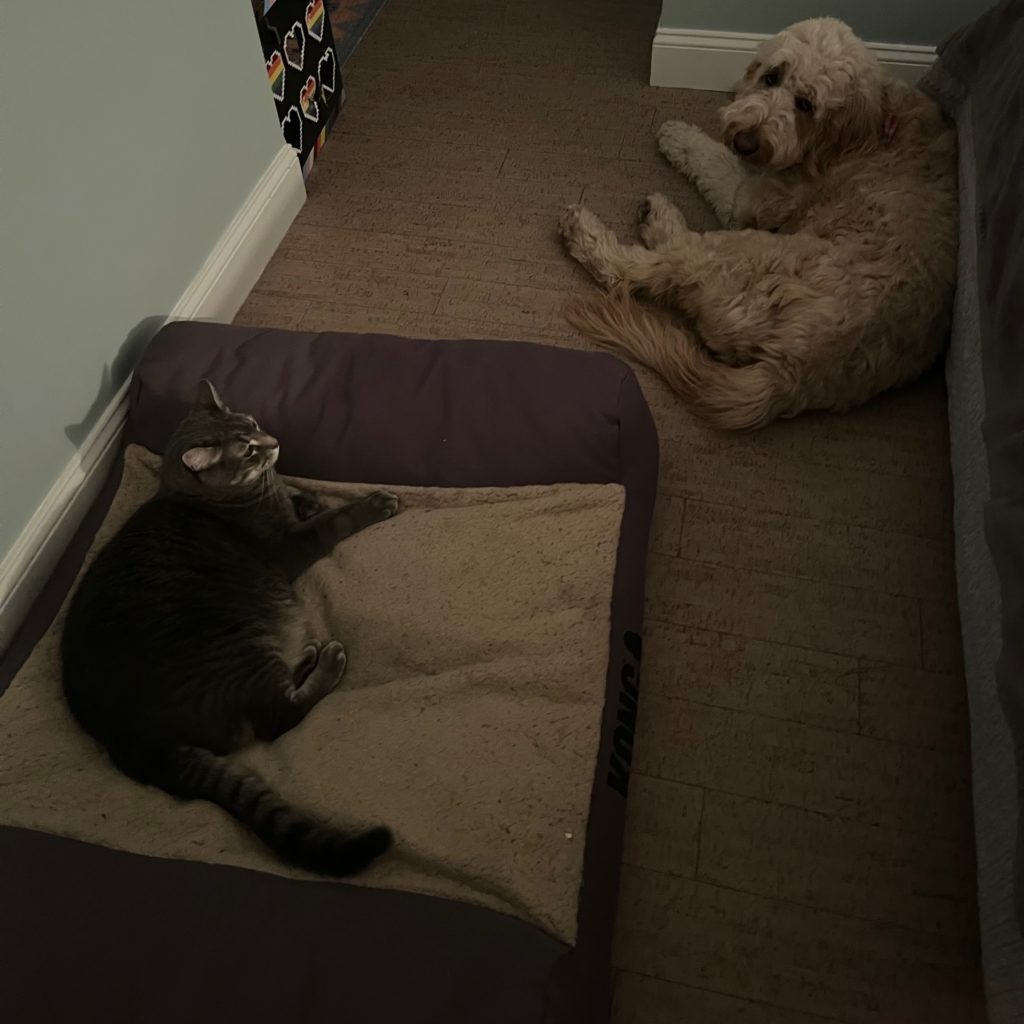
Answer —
(804, 105)
(771, 78)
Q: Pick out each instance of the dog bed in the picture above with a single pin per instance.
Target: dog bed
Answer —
(487, 715)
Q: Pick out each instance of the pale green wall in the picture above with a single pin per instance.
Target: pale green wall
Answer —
(923, 22)
(131, 131)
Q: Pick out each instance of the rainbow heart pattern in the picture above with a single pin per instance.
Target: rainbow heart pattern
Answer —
(307, 100)
(326, 68)
(315, 19)
(275, 72)
(295, 46)
(303, 69)
(291, 126)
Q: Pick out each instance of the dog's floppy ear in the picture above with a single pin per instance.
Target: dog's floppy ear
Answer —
(749, 76)
(847, 128)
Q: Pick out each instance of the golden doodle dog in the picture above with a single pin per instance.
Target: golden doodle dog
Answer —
(833, 279)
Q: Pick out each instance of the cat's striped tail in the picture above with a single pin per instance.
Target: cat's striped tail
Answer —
(195, 773)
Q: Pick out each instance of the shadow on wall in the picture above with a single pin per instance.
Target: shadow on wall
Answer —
(113, 375)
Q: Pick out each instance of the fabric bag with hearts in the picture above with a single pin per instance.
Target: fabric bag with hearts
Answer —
(303, 72)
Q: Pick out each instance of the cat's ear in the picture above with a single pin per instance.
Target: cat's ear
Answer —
(198, 459)
(207, 399)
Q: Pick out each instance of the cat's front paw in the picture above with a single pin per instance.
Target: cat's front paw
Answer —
(381, 505)
(305, 505)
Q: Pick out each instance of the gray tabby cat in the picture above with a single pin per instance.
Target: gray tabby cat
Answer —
(185, 638)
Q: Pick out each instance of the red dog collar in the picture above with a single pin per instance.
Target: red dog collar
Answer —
(889, 126)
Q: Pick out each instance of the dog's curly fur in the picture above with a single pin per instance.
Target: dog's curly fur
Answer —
(834, 279)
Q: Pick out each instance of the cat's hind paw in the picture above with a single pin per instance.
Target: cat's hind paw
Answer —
(333, 659)
(305, 505)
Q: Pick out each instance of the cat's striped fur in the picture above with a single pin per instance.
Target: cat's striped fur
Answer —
(185, 639)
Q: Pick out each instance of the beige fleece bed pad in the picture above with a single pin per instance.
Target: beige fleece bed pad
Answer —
(476, 624)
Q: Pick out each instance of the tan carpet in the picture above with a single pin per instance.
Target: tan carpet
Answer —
(800, 844)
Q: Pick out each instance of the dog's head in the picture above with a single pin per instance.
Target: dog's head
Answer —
(813, 92)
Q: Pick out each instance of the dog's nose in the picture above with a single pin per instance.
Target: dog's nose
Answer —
(746, 142)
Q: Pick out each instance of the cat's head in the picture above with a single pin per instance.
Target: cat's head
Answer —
(217, 453)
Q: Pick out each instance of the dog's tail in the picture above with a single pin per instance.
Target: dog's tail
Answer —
(726, 397)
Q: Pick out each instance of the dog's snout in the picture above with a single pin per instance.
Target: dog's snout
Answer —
(746, 142)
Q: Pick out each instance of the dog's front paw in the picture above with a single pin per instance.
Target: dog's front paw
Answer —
(662, 224)
(577, 224)
(588, 241)
(677, 140)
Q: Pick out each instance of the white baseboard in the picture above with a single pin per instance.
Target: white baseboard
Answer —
(695, 59)
(243, 251)
(215, 293)
(26, 567)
